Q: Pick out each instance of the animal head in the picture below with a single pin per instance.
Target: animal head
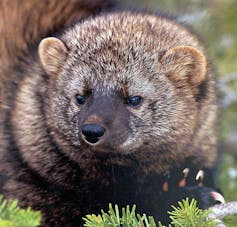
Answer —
(123, 84)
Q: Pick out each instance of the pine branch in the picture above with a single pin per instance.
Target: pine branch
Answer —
(187, 214)
(220, 211)
(11, 215)
(112, 218)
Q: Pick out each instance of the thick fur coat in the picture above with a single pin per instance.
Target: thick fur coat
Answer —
(141, 82)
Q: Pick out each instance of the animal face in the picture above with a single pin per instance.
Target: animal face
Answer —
(118, 98)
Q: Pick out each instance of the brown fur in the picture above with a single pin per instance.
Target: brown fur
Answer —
(24, 22)
(107, 59)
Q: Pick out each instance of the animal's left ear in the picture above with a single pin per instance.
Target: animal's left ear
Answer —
(52, 54)
(185, 63)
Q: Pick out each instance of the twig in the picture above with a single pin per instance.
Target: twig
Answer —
(222, 210)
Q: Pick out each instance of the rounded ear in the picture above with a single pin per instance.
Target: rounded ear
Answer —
(185, 63)
(52, 53)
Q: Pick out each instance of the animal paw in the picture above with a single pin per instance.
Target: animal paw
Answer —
(192, 183)
(205, 196)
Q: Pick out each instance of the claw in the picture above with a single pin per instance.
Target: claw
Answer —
(182, 183)
(200, 176)
(185, 172)
(218, 197)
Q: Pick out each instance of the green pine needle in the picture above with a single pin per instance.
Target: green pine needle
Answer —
(11, 215)
(187, 214)
(112, 218)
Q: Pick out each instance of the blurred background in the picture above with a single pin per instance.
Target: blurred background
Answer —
(216, 23)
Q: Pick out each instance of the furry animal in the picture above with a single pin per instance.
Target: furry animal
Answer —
(117, 108)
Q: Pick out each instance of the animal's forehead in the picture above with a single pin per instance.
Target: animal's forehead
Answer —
(111, 56)
(140, 33)
(102, 69)
(112, 78)
(116, 48)
(109, 38)
(113, 28)
(122, 45)
(113, 62)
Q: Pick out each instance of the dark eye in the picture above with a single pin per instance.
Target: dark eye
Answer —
(134, 100)
(80, 99)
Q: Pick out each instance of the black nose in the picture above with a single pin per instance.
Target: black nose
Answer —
(92, 132)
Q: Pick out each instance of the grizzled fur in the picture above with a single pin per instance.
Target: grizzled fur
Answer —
(46, 163)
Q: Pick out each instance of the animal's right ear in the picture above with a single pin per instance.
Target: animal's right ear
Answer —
(52, 54)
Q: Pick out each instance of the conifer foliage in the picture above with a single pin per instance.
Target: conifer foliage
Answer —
(11, 215)
(187, 214)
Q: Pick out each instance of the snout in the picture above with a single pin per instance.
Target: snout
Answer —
(92, 133)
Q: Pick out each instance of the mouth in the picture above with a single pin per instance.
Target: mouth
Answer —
(106, 151)
(103, 151)
(91, 140)
(113, 158)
